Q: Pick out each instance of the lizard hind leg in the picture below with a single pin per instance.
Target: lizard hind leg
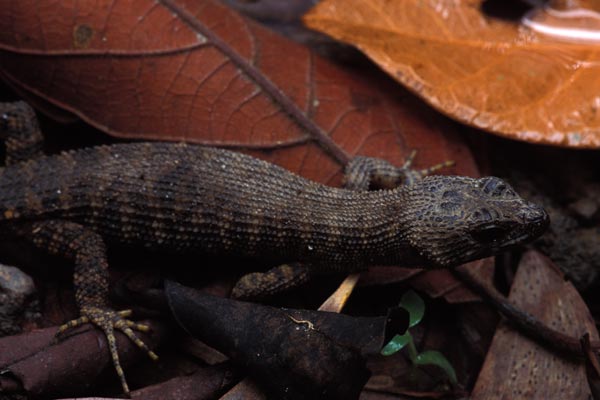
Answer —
(86, 248)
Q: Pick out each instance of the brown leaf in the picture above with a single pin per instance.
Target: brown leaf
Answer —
(205, 383)
(292, 353)
(40, 367)
(592, 366)
(436, 283)
(518, 368)
(197, 71)
(245, 390)
(492, 73)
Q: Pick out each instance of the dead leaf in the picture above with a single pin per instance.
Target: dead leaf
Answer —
(436, 283)
(197, 71)
(245, 390)
(492, 73)
(39, 367)
(292, 353)
(592, 366)
(518, 368)
(205, 383)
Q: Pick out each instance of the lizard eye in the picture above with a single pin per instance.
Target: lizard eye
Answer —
(489, 234)
(494, 186)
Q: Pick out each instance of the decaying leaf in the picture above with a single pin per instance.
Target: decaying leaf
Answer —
(592, 366)
(492, 73)
(206, 383)
(436, 283)
(291, 353)
(247, 390)
(197, 71)
(518, 368)
(38, 366)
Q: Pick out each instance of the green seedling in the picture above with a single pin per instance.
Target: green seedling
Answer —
(415, 306)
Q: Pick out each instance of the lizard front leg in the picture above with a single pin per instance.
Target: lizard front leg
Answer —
(365, 173)
(86, 248)
(361, 173)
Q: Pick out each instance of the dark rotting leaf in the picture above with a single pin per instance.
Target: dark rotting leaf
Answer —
(70, 366)
(293, 354)
(205, 383)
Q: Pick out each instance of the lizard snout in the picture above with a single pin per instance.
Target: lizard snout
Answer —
(536, 215)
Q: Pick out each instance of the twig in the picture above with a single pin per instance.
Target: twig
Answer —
(526, 323)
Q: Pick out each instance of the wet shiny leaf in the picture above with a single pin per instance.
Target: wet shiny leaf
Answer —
(397, 343)
(492, 73)
(415, 306)
(432, 357)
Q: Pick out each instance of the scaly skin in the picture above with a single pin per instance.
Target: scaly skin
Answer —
(185, 198)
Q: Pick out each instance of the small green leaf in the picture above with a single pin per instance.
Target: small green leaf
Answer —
(415, 306)
(396, 344)
(432, 357)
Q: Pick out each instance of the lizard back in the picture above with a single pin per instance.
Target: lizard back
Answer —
(190, 198)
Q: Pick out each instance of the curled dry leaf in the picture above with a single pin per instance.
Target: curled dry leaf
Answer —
(492, 73)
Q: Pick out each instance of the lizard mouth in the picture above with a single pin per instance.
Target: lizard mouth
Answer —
(512, 241)
(499, 237)
(496, 241)
(491, 235)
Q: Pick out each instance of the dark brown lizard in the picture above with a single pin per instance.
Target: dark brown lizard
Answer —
(186, 198)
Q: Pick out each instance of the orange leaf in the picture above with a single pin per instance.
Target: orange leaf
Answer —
(490, 73)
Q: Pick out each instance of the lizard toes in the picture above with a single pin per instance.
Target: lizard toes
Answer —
(108, 320)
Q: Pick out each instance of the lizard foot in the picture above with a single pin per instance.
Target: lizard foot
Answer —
(413, 175)
(108, 320)
(366, 173)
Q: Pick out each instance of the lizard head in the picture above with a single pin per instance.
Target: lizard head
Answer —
(459, 219)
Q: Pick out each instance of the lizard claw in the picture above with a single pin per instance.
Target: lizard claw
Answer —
(108, 320)
(410, 176)
(364, 173)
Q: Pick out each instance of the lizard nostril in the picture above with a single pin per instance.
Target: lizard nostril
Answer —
(535, 215)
